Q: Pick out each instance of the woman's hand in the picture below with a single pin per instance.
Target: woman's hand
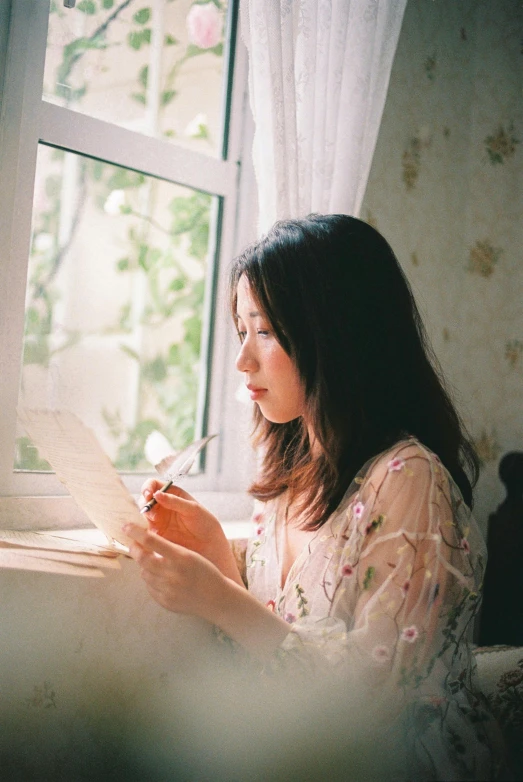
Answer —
(180, 519)
(178, 579)
(186, 583)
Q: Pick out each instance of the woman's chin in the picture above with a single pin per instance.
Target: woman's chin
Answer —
(277, 417)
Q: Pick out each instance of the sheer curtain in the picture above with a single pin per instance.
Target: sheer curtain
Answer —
(318, 77)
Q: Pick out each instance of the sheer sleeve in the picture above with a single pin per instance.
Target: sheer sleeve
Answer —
(387, 603)
(405, 578)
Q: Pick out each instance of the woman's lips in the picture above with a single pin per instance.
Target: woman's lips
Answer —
(256, 393)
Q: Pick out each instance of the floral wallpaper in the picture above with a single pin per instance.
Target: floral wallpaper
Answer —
(446, 190)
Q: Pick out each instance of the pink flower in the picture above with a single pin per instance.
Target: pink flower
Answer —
(396, 464)
(357, 510)
(347, 570)
(290, 618)
(409, 634)
(464, 544)
(260, 530)
(204, 25)
(271, 605)
(381, 654)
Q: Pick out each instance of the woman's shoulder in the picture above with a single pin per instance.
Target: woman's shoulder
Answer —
(407, 456)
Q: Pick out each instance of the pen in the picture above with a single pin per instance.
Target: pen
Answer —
(152, 502)
(177, 465)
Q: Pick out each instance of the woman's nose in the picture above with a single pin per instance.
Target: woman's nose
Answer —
(245, 360)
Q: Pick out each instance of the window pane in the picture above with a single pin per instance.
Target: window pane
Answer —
(154, 66)
(114, 303)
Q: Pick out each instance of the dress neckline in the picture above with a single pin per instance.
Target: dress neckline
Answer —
(279, 548)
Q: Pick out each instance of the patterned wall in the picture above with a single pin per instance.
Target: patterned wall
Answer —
(446, 190)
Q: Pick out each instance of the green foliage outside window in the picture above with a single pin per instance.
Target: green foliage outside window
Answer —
(169, 378)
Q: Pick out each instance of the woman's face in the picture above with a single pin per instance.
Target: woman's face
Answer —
(270, 374)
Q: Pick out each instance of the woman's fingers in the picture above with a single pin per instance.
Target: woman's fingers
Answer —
(174, 502)
(148, 541)
(153, 485)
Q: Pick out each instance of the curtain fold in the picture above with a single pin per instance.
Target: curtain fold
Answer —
(318, 77)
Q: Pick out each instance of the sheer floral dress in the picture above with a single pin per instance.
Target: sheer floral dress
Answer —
(387, 590)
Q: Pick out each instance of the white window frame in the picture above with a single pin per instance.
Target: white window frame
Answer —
(38, 500)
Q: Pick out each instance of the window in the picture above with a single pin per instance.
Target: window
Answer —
(122, 129)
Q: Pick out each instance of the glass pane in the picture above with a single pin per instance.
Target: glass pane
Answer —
(114, 304)
(154, 66)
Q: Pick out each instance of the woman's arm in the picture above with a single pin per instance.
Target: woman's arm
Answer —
(185, 582)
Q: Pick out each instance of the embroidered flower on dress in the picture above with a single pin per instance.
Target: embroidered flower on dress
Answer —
(290, 618)
(260, 529)
(409, 634)
(374, 524)
(271, 605)
(381, 654)
(464, 544)
(357, 510)
(347, 570)
(395, 464)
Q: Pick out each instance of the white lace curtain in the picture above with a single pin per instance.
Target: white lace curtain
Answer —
(318, 77)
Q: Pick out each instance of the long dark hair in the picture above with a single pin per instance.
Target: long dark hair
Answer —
(342, 309)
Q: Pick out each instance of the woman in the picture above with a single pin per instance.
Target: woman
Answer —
(367, 561)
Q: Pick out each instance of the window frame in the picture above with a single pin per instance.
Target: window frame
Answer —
(38, 500)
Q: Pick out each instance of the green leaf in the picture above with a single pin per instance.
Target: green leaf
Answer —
(170, 40)
(130, 454)
(97, 169)
(28, 457)
(136, 38)
(139, 97)
(167, 96)
(37, 352)
(142, 257)
(155, 370)
(177, 284)
(123, 264)
(153, 256)
(218, 49)
(142, 16)
(107, 4)
(193, 333)
(87, 7)
(75, 95)
(369, 575)
(130, 352)
(122, 178)
(143, 76)
(193, 50)
(173, 357)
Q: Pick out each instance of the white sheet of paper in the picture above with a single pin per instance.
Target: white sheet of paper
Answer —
(84, 468)
(53, 542)
(18, 560)
(74, 558)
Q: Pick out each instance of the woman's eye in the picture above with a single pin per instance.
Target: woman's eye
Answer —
(263, 332)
